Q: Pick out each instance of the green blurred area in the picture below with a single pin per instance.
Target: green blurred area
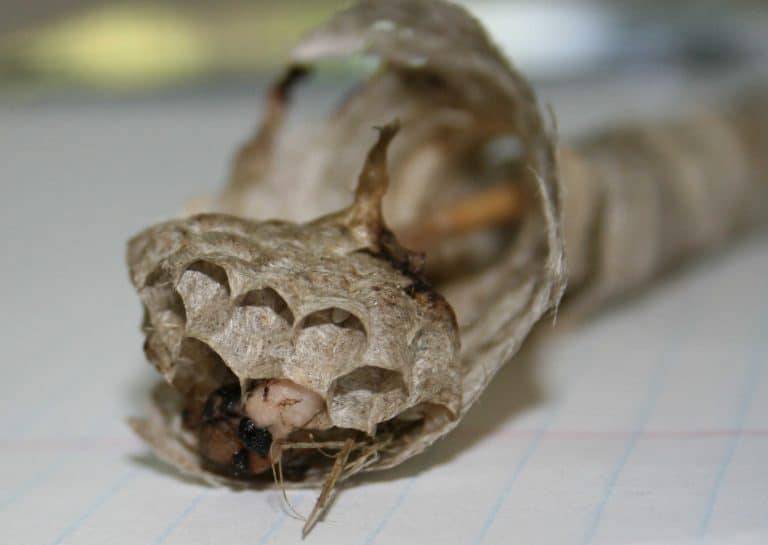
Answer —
(129, 46)
(133, 47)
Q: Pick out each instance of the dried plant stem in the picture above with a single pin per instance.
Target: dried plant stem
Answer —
(367, 457)
(277, 476)
(499, 204)
(325, 495)
(253, 158)
(320, 445)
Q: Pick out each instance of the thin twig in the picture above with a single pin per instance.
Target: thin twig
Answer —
(495, 205)
(320, 444)
(280, 482)
(333, 476)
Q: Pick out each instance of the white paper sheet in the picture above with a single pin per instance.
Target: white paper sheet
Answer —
(647, 425)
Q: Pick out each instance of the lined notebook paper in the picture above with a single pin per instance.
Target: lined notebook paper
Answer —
(645, 425)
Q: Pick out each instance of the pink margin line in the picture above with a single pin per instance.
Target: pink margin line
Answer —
(109, 443)
(623, 434)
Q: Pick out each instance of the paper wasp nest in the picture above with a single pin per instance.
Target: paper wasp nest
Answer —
(333, 306)
(330, 322)
(293, 319)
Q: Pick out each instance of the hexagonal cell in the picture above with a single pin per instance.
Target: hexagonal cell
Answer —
(333, 316)
(269, 298)
(202, 283)
(354, 395)
(198, 369)
(331, 340)
(214, 272)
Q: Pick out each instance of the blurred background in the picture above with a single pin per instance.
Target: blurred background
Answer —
(594, 61)
(121, 47)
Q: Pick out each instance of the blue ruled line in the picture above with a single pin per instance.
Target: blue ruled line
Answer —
(547, 421)
(278, 522)
(655, 387)
(752, 377)
(175, 523)
(654, 390)
(31, 483)
(111, 491)
(390, 513)
(276, 525)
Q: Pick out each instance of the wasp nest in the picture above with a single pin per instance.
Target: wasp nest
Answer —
(282, 340)
(273, 328)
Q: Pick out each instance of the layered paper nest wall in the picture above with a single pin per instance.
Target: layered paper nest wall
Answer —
(456, 97)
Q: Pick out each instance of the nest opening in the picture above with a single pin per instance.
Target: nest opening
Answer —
(269, 298)
(315, 450)
(199, 369)
(334, 316)
(214, 420)
(308, 452)
(212, 271)
(356, 397)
